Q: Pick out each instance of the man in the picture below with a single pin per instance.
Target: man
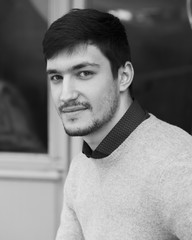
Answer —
(133, 179)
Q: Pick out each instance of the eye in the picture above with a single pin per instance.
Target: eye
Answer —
(56, 78)
(85, 74)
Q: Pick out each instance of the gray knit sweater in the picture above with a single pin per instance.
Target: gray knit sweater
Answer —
(142, 191)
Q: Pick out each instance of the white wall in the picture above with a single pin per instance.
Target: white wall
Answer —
(29, 208)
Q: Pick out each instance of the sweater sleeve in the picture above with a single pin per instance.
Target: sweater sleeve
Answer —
(69, 228)
(176, 198)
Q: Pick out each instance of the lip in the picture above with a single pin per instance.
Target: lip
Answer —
(73, 109)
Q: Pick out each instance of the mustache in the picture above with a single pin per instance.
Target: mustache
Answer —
(74, 104)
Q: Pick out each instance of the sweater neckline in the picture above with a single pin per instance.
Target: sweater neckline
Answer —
(118, 151)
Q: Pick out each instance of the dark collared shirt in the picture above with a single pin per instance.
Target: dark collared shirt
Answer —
(134, 116)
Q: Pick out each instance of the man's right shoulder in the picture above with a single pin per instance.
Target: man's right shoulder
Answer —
(77, 165)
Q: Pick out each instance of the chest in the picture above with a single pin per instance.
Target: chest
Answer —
(111, 196)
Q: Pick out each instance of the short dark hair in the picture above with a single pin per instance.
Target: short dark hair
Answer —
(89, 26)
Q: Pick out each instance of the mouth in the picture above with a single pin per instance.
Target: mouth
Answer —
(73, 109)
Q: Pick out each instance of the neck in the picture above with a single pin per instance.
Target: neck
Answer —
(94, 139)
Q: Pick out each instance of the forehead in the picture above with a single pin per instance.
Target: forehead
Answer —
(82, 53)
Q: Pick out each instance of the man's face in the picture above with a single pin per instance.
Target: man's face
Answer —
(83, 89)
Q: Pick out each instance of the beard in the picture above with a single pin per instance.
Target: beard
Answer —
(109, 107)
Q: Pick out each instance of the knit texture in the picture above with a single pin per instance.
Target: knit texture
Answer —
(142, 191)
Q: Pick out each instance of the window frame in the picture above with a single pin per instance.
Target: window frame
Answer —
(54, 164)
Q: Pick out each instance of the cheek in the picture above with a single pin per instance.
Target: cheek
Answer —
(55, 95)
(98, 97)
(105, 99)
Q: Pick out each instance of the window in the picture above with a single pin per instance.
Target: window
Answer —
(23, 85)
(42, 150)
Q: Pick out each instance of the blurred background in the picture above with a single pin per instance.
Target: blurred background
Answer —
(161, 45)
(23, 87)
(35, 152)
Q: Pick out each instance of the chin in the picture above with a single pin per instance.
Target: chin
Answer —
(82, 131)
(77, 132)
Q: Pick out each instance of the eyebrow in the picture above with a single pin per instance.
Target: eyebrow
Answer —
(75, 67)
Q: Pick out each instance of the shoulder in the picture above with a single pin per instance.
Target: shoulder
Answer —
(165, 149)
(168, 136)
(76, 166)
(172, 147)
(80, 165)
(71, 181)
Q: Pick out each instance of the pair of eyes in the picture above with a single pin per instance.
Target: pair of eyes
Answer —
(81, 75)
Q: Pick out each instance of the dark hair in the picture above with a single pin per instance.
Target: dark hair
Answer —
(89, 26)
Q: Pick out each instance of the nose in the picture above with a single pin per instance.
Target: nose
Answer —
(68, 91)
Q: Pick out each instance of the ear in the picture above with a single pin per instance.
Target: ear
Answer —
(125, 76)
